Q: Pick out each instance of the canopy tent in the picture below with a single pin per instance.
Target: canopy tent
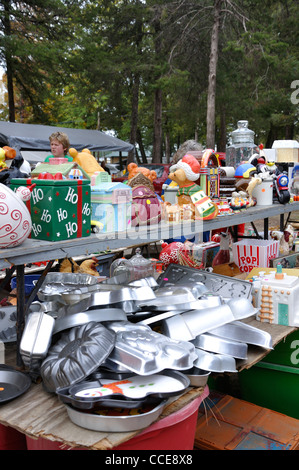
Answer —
(36, 137)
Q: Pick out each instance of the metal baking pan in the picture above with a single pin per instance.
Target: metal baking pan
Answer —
(167, 296)
(146, 281)
(215, 344)
(214, 362)
(78, 353)
(36, 337)
(56, 283)
(205, 301)
(196, 322)
(143, 351)
(108, 402)
(161, 385)
(241, 308)
(8, 318)
(197, 377)
(120, 423)
(218, 284)
(97, 315)
(13, 383)
(239, 331)
(130, 392)
(124, 297)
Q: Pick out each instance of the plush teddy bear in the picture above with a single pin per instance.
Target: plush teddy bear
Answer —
(85, 160)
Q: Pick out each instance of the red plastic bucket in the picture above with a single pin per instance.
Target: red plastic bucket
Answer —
(11, 439)
(175, 432)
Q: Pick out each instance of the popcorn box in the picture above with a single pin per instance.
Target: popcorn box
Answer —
(249, 254)
(60, 209)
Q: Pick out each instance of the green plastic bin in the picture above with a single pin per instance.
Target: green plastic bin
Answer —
(274, 382)
(273, 386)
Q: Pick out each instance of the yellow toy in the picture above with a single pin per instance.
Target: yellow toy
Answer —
(6, 153)
(86, 161)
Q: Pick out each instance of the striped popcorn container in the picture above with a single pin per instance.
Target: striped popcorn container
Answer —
(249, 254)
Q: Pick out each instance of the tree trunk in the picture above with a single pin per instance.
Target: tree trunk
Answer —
(140, 145)
(157, 144)
(221, 147)
(9, 71)
(212, 76)
(134, 117)
(167, 147)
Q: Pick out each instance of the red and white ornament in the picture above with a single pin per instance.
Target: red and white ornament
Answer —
(15, 219)
(170, 252)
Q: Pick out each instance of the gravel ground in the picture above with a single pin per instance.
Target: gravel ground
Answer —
(274, 222)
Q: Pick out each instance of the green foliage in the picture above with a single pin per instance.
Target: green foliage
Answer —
(76, 63)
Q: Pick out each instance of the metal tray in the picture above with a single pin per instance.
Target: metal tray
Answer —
(218, 284)
(197, 377)
(36, 338)
(120, 423)
(13, 383)
(143, 351)
(241, 308)
(219, 345)
(125, 298)
(240, 331)
(190, 324)
(169, 296)
(8, 318)
(214, 362)
(97, 315)
(56, 283)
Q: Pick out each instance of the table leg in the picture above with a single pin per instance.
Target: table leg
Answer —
(20, 309)
(266, 228)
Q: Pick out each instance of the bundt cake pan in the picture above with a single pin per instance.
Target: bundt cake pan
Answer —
(78, 353)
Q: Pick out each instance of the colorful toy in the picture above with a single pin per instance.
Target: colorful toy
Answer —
(239, 201)
(14, 171)
(209, 178)
(185, 173)
(245, 170)
(86, 161)
(134, 169)
(205, 209)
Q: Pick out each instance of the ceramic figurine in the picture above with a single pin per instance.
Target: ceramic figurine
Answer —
(185, 173)
(15, 219)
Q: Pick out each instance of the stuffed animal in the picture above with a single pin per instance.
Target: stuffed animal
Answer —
(285, 238)
(6, 153)
(185, 172)
(14, 171)
(86, 161)
(134, 169)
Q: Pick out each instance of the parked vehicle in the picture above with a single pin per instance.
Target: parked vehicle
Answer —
(161, 169)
